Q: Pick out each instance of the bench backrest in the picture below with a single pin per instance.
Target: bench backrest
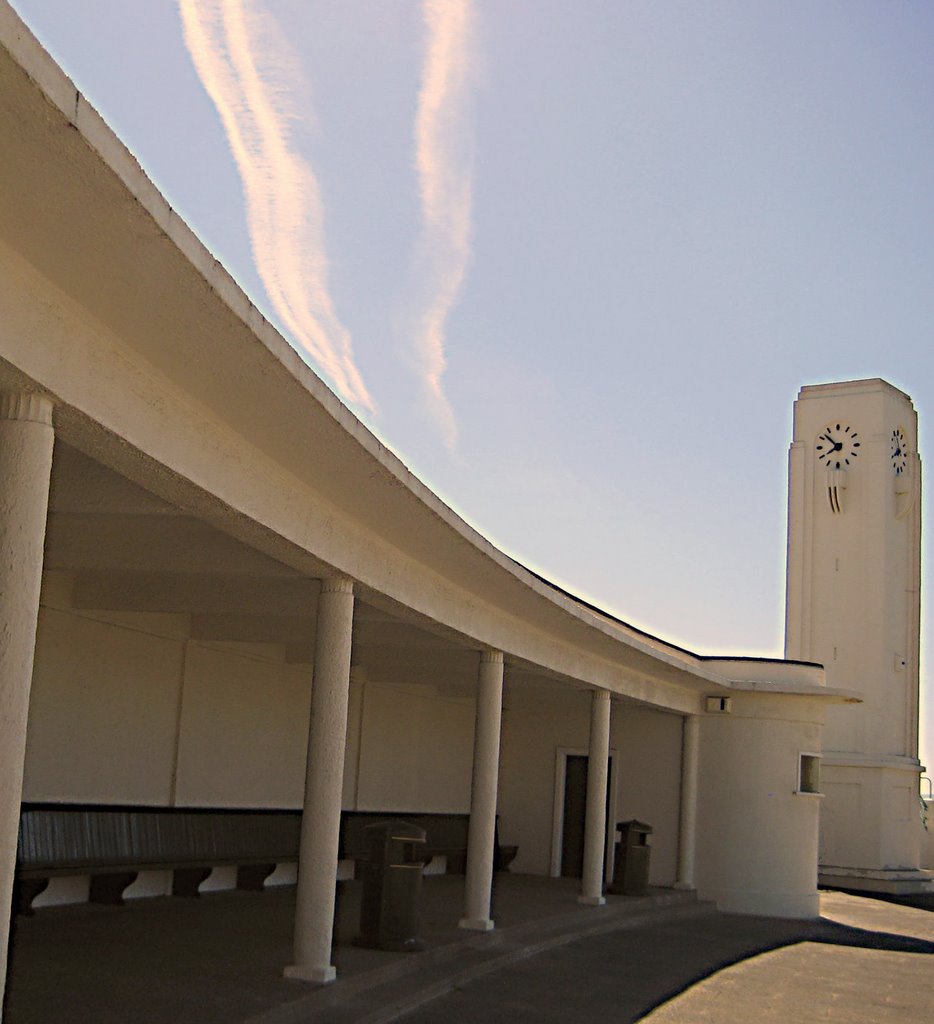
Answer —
(77, 836)
(60, 835)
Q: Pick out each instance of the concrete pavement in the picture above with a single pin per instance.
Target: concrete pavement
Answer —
(863, 962)
(218, 960)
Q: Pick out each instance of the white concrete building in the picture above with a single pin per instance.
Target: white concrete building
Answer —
(854, 605)
(219, 590)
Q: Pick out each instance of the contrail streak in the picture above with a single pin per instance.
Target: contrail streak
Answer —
(443, 161)
(247, 72)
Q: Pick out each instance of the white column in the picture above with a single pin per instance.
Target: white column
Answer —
(688, 817)
(478, 888)
(595, 820)
(324, 774)
(25, 464)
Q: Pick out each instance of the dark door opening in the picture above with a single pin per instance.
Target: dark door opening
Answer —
(575, 813)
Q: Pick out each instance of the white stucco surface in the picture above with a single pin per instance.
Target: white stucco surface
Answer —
(417, 747)
(649, 745)
(103, 713)
(534, 728)
(853, 603)
(757, 835)
(244, 728)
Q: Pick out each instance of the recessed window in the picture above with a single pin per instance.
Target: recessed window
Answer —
(809, 773)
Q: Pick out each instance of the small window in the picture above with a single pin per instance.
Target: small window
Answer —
(809, 773)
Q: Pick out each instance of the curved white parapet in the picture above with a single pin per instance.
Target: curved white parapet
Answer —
(775, 673)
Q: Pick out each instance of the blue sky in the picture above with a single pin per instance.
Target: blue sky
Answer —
(676, 214)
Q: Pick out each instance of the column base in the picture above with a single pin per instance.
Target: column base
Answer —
(316, 975)
(592, 901)
(683, 886)
(476, 924)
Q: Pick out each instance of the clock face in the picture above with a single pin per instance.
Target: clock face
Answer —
(837, 446)
(898, 447)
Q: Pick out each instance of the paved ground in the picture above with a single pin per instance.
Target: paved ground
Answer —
(218, 960)
(865, 963)
(873, 982)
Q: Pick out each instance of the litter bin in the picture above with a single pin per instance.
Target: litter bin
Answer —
(392, 884)
(631, 870)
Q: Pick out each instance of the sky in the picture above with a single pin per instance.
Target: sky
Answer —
(571, 261)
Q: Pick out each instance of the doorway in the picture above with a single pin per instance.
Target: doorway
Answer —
(567, 859)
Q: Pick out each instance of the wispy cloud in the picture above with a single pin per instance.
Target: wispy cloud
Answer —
(248, 71)
(444, 168)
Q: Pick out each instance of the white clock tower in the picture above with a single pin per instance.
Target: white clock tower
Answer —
(853, 604)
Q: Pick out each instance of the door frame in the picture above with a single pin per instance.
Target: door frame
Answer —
(557, 826)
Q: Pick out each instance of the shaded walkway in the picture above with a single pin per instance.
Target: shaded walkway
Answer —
(220, 958)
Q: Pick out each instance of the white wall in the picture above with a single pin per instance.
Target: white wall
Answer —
(105, 718)
(244, 730)
(757, 836)
(115, 696)
(102, 712)
(870, 816)
(535, 725)
(416, 749)
(649, 746)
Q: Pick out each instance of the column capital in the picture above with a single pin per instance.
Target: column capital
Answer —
(601, 694)
(337, 585)
(491, 657)
(21, 405)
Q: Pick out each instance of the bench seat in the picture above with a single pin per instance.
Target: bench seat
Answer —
(112, 844)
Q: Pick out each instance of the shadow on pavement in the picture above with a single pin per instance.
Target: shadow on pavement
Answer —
(706, 960)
